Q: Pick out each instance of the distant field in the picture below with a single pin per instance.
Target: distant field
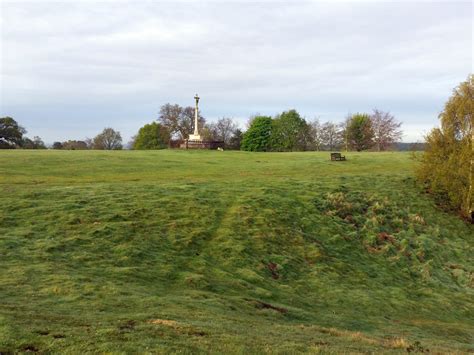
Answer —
(189, 251)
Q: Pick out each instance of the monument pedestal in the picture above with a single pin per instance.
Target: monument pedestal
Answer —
(201, 144)
(195, 137)
(195, 141)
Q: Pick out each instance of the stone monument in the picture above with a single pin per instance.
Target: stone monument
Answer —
(195, 141)
(196, 136)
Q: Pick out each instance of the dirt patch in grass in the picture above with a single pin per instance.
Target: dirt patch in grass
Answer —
(416, 348)
(263, 305)
(29, 349)
(128, 325)
(42, 332)
(273, 270)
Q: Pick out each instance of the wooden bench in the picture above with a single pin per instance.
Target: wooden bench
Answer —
(337, 157)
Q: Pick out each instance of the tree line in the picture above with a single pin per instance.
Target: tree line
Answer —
(287, 131)
(12, 137)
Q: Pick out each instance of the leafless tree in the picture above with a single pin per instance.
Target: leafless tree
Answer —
(179, 120)
(330, 136)
(224, 129)
(386, 129)
(344, 131)
(89, 142)
(314, 133)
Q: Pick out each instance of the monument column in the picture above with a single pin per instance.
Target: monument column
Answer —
(196, 130)
(196, 136)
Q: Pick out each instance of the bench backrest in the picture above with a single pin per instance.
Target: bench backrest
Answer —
(335, 155)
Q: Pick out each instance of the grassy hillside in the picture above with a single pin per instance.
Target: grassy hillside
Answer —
(227, 251)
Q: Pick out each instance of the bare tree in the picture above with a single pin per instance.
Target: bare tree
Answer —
(224, 129)
(314, 133)
(330, 136)
(109, 139)
(74, 145)
(344, 131)
(89, 142)
(386, 129)
(179, 120)
(208, 132)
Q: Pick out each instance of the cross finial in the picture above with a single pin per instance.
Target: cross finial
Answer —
(196, 98)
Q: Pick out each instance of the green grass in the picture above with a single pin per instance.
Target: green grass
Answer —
(189, 251)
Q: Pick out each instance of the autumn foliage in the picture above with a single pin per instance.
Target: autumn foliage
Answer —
(447, 164)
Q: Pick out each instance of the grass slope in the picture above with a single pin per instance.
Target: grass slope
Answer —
(187, 251)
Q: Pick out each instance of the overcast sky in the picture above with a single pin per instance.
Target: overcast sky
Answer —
(69, 69)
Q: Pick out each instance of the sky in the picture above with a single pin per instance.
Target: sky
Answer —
(70, 68)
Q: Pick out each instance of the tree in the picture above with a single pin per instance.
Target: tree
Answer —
(178, 120)
(57, 145)
(36, 143)
(289, 132)
(448, 161)
(109, 139)
(344, 131)
(236, 140)
(314, 135)
(152, 136)
(208, 132)
(257, 136)
(224, 130)
(386, 129)
(360, 132)
(39, 144)
(331, 137)
(75, 145)
(27, 143)
(11, 133)
(89, 143)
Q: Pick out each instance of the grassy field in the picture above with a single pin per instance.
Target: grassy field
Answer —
(187, 251)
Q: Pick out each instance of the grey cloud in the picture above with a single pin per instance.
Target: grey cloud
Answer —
(102, 64)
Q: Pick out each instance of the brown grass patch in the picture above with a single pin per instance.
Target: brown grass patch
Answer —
(165, 322)
(397, 343)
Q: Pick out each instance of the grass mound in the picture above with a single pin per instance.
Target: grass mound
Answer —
(227, 252)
